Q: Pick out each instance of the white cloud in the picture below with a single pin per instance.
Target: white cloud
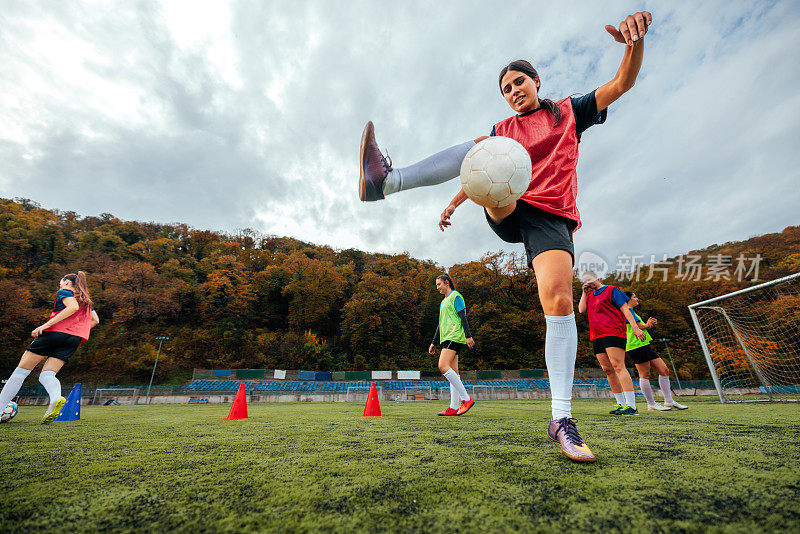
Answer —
(233, 115)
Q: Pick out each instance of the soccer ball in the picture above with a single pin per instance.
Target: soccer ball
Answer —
(9, 412)
(496, 171)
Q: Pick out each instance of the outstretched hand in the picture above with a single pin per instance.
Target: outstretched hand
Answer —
(444, 221)
(633, 28)
(640, 335)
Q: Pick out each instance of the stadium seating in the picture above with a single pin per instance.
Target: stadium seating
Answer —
(273, 386)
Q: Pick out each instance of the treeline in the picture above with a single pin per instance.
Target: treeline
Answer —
(259, 301)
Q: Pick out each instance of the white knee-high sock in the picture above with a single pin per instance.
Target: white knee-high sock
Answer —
(455, 381)
(12, 386)
(647, 391)
(620, 398)
(560, 350)
(454, 397)
(666, 387)
(433, 170)
(52, 385)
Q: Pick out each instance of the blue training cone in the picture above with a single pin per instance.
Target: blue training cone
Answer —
(72, 409)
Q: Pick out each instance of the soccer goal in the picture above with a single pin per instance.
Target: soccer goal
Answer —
(118, 395)
(751, 341)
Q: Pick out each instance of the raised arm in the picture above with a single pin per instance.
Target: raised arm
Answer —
(626, 312)
(631, 32)
(582, 304)
(448, 211)
(71, 306)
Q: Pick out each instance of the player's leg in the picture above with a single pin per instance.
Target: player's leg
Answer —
(643, 370)
(665, 385)
(617, 357)
(455, 398)
(611, 374)
(643, 358)
(553, 270)
(465, 402)
(447, 357)
(47, 377)
(26, 364)
(378, 178)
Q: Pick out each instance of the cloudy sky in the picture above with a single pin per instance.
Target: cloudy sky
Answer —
(249, 115)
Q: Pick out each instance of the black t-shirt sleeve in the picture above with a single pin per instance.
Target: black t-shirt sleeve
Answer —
(585, 110)
(462, 314)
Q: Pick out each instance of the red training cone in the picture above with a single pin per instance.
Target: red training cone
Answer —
(239, 408)
(373, 408)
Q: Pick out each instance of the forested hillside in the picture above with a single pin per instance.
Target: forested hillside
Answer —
(262, 301)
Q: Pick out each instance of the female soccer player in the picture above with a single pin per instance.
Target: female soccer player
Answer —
(546, 215)
(645, 357)
(607, 309)
(453, 331)
(55, 341)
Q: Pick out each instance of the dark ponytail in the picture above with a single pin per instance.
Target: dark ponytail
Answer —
(81, 290)
(446, 278)
(526, 68)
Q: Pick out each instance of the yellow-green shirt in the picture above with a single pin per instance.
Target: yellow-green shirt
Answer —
(450, 328)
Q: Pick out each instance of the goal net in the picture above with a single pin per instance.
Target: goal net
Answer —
(117, 395)
(751, 341)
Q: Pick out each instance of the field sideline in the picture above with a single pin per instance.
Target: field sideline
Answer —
(322, 467)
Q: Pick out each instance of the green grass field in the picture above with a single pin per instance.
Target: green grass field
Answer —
(321, 467)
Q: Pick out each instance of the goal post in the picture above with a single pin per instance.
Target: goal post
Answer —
(751, 341)
(120, 395)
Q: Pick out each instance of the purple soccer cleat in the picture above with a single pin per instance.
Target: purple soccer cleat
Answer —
(374, 167)
(565, 433)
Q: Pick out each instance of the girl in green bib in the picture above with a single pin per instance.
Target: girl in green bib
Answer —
(453, 333)
(645, 358)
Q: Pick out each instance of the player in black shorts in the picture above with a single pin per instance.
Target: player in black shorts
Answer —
(55, 341)
(645, 358)
(453, 331)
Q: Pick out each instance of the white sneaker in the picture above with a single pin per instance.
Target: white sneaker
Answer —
(676, 405)
(657, 408)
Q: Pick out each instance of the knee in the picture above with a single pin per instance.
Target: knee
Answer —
(607, 369)
(619, 367)
(443, 367)
(644, 376)
(557, 303)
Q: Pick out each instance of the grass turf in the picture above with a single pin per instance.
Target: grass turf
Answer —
(321, 467)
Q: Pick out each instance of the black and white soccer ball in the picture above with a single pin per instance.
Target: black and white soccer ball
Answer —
(496, 172)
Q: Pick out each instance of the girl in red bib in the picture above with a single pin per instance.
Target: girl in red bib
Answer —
(607, 309)
(70, 322)
(544, 218)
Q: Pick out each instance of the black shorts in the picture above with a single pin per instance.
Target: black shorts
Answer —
(537, 229)
(642, 354)
(601, 343)
(55, 345)
(453, 345)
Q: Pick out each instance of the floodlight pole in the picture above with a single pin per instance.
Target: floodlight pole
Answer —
(665, 339)
(161, 340)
